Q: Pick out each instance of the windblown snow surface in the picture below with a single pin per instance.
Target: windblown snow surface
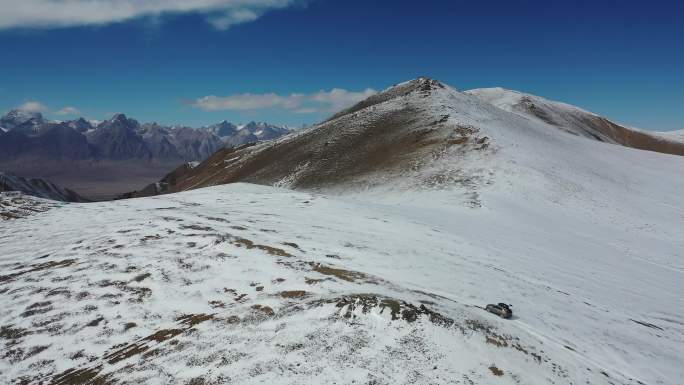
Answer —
(243, 284)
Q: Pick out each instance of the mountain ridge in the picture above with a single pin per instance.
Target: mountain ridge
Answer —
(124, 138)
(438, 123)
(37, 187)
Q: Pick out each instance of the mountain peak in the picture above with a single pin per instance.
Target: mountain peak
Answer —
(120, 121)
(429, 80)
(80, 125)
(422, 84)
(118, 117)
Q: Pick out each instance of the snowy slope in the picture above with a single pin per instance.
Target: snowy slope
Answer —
(256, 284)
(576, 120)
(246, 284)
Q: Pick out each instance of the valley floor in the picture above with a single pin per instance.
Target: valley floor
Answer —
(97, 181)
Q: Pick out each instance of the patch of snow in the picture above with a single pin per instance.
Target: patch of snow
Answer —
(231, 160)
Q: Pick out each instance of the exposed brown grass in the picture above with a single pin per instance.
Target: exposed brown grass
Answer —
(496, 371)
(293, 294)
(248, 244)
(345, 275)
(38, 267)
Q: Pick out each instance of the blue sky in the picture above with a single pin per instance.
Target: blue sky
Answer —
(294, 62)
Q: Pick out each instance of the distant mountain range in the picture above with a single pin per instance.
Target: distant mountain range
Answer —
(29, 134)
(100, 160)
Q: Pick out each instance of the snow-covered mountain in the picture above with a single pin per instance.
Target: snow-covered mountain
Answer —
(50, 141)
(265, 131)
(122, 138)
(117, 138)
(25, 121)
(223, 129)
(187, 143)
(409, 135)
(37, 187)
(80, 125)
(415, 208)
(237, 135)
(576, 120)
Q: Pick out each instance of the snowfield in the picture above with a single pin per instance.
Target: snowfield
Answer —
(250, 284)
(243, 284)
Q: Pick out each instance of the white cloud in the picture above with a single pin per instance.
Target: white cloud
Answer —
(339, 98)
(245, 102)
(318, 102)
(68, 111)
(65, 13)
(32, 106)
(229, 18)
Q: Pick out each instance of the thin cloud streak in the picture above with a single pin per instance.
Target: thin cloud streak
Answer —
(318, 102)
(34, 106)
(68, 111)
(222, 14)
